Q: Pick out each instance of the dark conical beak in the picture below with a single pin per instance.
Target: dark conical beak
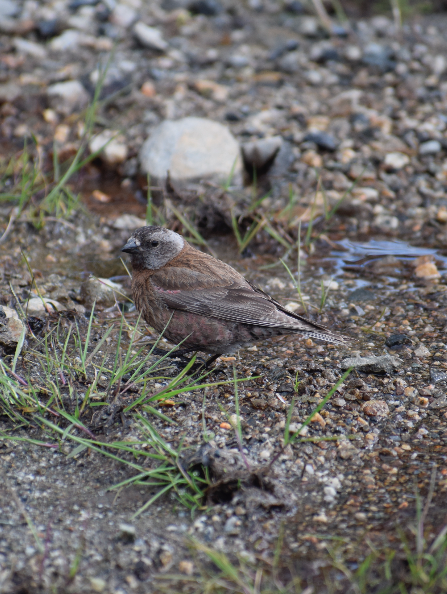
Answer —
(130, 246)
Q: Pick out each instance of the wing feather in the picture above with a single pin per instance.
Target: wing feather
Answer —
(234, 300)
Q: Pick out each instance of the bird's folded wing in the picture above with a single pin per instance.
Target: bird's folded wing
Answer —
(236, 302)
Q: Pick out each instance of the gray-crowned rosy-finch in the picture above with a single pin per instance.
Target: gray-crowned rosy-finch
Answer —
(202, 301)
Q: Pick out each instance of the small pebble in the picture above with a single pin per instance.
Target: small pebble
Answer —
(422, 351)
(317, 418)
(148, 89)
(376, 408)
(112, 146)
(428, 270)
(396, 161)
(98, 584)
(205, 7)
(186, 567)
(123, 15)
(430, 147)
(322, 139)
(101, 291)
(24, 46)
(232, 525)
(150, 37)
(312, 158)
(166, 558)
(101, 196)
(50, 116)
(292, 306)
(67, 41)
(61, 133)
(36, 306)
(127, 532)
(441, 216)
(68, 97)
(209, 88)
(397, 340)
(330, 492)
(410, 392)
(331, 285)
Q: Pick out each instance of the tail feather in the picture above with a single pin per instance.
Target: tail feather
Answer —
(300, 324)
(329, 337)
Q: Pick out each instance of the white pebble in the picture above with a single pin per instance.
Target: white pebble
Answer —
(396, 160)
(309, 469)
(150, 37)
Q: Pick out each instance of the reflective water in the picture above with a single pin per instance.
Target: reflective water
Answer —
(357, 257)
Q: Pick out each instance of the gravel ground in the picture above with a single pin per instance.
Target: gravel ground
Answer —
(368, 104)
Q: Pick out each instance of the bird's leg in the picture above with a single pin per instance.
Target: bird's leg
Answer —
(211, 360)
(200, 366)
(179, 354)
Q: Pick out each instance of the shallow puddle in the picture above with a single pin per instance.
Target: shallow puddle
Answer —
(358, 257)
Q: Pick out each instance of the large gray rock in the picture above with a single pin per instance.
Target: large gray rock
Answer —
(192, 149)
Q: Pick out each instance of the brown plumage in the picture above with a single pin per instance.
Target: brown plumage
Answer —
(202, 301)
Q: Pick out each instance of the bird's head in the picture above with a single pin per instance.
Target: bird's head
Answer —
(153, 247)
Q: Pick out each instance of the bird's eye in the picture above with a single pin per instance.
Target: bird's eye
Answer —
(154, 243)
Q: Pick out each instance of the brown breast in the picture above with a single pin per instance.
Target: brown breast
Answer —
(144, 295)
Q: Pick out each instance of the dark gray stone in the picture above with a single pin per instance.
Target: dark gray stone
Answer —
(361, 294)
(289, 46)
(378, 56)
(323, 140)
(397, 340)
(49, 28)
(205, 7)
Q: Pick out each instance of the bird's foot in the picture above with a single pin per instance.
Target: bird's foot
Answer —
(177, 354)
(196, 369)
(200, 366)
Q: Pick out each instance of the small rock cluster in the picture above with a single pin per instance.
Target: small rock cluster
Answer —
(190, 83)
